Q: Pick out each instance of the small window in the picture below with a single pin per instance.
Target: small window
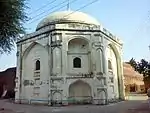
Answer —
(109, 65)
(77, 62)
(37, 65)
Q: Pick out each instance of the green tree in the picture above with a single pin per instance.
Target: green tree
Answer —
(143, 67)
(133, 63)
(12, 17)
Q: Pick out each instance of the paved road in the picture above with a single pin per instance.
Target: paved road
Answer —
(121, 107)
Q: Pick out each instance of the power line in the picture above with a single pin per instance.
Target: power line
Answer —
(90, 3)
(51, 11)
(86, 5)
(42, 7)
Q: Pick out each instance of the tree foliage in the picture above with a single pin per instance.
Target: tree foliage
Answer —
(133, 63)
(12, 17)
(143, 67)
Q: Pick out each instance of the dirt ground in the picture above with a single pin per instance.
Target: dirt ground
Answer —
(136, 104)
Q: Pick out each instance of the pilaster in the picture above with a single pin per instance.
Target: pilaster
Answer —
(57, 60)
(18, 74)
(122, 87)
(105, 65)
(64, 54)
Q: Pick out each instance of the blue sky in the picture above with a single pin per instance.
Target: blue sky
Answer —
(128, 19)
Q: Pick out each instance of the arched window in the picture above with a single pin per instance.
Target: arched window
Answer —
(109, 65)
(77, 62)
(37, 65)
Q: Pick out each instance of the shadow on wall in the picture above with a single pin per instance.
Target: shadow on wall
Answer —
(7, 83)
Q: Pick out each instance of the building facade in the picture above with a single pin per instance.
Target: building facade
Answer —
(132, 79)
(70, 58)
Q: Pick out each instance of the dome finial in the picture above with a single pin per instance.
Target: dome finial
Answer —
(68, 5)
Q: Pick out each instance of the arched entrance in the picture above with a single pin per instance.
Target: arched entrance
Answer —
(102, 96)
(78, 55)
(80, 93)
(119, 73)
(57, 98)
(133, 88)
(33, 63)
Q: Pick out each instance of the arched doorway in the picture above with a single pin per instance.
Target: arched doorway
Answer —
(133, 88)
(102, 96)
(33, 64)
(119, 84)
(80, 93)
(57, 98)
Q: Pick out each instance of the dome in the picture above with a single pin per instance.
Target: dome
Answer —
(67, 16)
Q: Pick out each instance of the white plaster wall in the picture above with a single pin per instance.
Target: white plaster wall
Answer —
(64, 54)
(57, 63)
(115, 74)
(17, 88)
(79, 89)
(71, 81)
(41, 53)
(84, 64)
(27, 43)
(99, 60)
(113, 91)
(37, 52)
(78, 47)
